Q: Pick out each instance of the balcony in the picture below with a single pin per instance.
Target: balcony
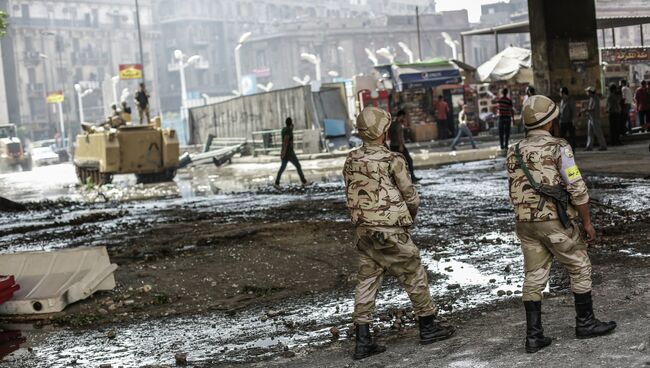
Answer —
(32, 57)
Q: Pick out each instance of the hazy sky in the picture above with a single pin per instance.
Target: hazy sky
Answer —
(472, 6)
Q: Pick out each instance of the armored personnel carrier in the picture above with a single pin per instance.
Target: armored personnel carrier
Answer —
(148, 151)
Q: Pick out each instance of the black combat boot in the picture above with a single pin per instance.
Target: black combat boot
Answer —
(365, 347)
(587, 325)
(535, 339)
(432, 332)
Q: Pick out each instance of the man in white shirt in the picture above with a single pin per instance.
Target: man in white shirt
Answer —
(628, 97)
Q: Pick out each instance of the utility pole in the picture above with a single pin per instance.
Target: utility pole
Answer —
(137, 16)
(417, 22)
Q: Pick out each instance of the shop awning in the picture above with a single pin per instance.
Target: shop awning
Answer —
(425, 74)
(513, 63)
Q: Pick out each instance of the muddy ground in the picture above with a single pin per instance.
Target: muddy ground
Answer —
(261, 276)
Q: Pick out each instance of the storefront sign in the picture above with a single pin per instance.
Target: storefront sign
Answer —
(55, 97)
(130, 71)
(578, 51)
(628, 55)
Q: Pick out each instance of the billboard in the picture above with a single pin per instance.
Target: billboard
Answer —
(55, 97)
(625, 55)
(130, 71)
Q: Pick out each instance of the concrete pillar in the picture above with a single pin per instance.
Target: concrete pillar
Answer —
(564, 46)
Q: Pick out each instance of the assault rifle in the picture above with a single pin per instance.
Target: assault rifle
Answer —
(556, 193)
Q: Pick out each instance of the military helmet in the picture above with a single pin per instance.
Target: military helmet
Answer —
(372, 123)
(538, 111)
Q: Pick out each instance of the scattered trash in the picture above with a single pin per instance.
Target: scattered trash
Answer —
(335, 333)
(181, 358)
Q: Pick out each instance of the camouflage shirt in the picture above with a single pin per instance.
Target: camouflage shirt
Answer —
(379, 190)
(550, 161)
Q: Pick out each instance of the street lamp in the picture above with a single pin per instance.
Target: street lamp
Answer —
(313, 59)
(407, 50)
(450, 42)
(372, 56)
(303, 81)
(266, 88)
(182, 64)
(115, 80)
(80, 95)
(240, 43)
(385, 52)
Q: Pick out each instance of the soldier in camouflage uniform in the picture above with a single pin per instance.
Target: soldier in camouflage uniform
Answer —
(550, 162)
(383, 203)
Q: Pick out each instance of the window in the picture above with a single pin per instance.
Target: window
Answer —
(24, 9)
(31, 75)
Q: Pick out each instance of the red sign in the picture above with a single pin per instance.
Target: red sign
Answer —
(262, 72)
(627, 55)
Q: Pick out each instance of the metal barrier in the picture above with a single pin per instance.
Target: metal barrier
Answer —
(269, 142)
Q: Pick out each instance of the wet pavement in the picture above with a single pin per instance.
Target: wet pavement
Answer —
(464, 228)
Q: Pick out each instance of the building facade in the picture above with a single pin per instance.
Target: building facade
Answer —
(212, 29)
(53, 45)
(341, 45)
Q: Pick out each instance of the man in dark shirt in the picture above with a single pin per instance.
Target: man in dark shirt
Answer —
(288, 154)
(642, 101)
(505, 112)
(142, 102)
(397, 143)
(567, 117)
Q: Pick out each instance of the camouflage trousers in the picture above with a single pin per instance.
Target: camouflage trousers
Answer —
(542, 240)
(394, 252)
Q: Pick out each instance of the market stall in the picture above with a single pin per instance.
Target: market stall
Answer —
(512, 69)
(415, 87)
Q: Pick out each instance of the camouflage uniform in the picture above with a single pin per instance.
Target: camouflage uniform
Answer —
(383, 201)
(551, 162)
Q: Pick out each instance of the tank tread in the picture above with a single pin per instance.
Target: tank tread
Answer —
(88, 175)
(167, 175)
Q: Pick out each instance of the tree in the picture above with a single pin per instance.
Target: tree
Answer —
(3, 23)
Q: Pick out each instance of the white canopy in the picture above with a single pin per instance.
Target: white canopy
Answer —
(513, 63)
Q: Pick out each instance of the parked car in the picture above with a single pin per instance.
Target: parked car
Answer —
(42, 156)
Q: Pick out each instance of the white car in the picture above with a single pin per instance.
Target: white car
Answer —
(42, 156)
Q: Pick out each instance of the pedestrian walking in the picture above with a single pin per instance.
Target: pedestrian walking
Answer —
(142, 103)
(628, 98)
(505, 113)
(463, 129)
(642, 101)
(542, 171)
(287, 154)
(593, 121)
(442, 117)
(567, 117)
(397, 142)
(383, 204)
(613, 107)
